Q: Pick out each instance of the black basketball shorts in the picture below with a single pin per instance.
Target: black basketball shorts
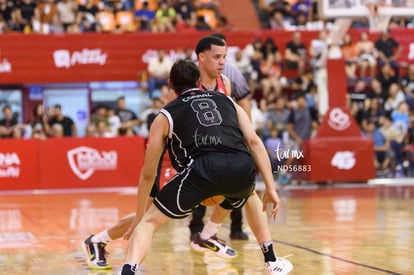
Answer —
(229, 174)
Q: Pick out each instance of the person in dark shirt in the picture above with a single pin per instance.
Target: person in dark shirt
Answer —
(295, 53)
(206, 167)
(9, 127)
(386, 77)
(128, 118)
(69, 127)
(389, 51)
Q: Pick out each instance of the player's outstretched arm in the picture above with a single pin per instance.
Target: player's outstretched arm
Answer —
(261, 159)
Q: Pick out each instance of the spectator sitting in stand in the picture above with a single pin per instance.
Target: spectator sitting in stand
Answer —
(382, 159)
(148, 115)
(395, 98)
(359, 93)
(350, 55)
(144, 17)
(395, 138)
(295, 53)
(201, 24)
(39, 124)
(69, 127)
(365, 49)
(272, 144)
(407, 84)
(389, 51)
(9, 126)
(158, 70)
(129, 119)
(165, 18)
(386, 77)
(373, 113)
(57, 131)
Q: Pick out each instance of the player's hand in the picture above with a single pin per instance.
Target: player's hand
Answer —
(131, 229)
(273, 198)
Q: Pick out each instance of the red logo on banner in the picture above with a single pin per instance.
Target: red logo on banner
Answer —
(85, 160)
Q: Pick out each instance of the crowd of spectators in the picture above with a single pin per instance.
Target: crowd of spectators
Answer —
(79, 16)
(304, 15)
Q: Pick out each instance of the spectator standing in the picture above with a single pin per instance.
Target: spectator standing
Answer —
(158, 71)
(69, 127)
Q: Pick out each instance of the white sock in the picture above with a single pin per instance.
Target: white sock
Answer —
(101, 237)
(210, 228)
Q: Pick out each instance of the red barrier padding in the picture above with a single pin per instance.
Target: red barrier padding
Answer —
(349, 159)
(19, 164)
(338, 152)
(70, 163)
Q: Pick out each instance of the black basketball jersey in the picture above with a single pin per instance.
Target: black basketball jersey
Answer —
(201, 121)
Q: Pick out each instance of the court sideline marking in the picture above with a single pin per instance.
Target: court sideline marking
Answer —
(337, 258)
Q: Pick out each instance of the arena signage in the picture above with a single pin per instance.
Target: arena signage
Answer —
(120, 57)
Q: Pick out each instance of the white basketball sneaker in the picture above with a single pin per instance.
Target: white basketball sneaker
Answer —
(279, 267)
(215, 245)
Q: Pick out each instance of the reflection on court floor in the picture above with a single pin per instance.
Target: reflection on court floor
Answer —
(348, 229)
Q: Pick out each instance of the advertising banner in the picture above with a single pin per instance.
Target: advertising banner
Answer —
(19, 166)
(91, 162)
(70, 163)
(32, 58)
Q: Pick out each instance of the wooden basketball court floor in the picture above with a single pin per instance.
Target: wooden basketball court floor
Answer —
(335, 229)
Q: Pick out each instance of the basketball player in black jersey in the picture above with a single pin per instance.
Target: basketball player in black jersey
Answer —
(205, 133)
(213, 79)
